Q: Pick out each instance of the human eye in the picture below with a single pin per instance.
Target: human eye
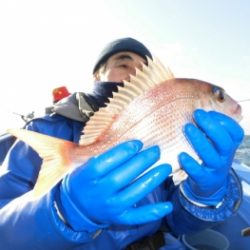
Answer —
(123, 65)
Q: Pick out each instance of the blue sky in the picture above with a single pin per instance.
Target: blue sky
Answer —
(49, 43)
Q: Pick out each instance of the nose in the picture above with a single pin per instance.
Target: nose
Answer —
(137, 65)
(132, 71)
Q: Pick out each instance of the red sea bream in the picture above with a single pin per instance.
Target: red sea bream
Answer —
(153, 107)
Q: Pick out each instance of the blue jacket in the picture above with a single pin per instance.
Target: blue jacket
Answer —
(30, 225)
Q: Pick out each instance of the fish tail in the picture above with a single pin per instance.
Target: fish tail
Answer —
(55, 154)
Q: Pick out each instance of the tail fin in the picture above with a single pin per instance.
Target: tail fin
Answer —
(55, 154)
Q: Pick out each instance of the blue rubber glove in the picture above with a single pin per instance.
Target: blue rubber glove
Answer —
(104, 191)
(215, 139)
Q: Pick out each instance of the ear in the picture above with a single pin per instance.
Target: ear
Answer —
(96, 76)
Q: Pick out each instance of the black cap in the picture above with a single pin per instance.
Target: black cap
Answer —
(119, 45)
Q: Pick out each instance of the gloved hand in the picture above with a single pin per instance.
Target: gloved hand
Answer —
(215, 139)
(104, 191)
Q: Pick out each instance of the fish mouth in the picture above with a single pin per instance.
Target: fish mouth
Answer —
(237, 113)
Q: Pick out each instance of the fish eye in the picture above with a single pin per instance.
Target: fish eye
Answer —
(219, 93)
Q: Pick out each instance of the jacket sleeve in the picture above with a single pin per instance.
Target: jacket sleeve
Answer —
(27, 224)
(188, 217)
(35, 224)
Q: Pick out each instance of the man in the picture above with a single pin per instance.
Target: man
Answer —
(97, 206)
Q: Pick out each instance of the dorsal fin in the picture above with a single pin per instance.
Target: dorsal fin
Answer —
(151, 75)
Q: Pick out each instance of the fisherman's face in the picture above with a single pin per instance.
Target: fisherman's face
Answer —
(119, 66)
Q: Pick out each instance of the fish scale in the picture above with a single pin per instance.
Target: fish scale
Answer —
(146, 123)
(165, 131)
(153, 107)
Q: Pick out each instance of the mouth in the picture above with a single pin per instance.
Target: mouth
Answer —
(237, 111)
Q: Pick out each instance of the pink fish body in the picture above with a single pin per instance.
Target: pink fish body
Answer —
(153, 107)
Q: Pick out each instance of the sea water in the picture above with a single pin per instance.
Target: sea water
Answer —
(243, 153)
